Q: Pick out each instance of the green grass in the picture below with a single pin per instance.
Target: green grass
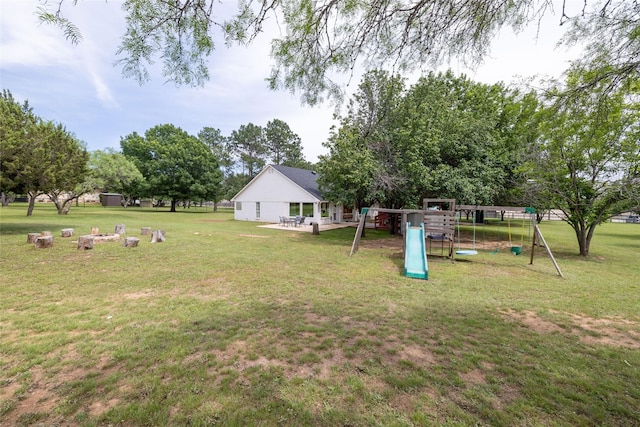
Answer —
(226, 323)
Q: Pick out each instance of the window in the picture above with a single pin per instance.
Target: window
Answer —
(294, 209)
(307, 209)
(324, 210)
(258, 210)
(238, 206)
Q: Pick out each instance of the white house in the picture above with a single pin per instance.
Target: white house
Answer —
(281, 191)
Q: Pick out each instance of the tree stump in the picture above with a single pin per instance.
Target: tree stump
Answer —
(44, 242)
(315, 227)
(67, 232)
(131, 242)
(119, 229)
(85, 242)
(157, 236)
(145, 231)
(95, 231)
(31, 237)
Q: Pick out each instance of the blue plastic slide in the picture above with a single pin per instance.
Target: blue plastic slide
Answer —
(415, 254)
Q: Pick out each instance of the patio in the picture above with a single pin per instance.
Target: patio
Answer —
(308, 228)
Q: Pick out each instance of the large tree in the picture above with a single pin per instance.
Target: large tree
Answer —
(321, 38)
(16, 122)
(587, 160)
(176, 165)
(249, 145)
(38, 157)
(112, 172)
(445, 136)
(284, 145)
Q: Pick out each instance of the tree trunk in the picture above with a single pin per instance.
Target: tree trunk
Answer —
(32, 202)
(4, 199)
(583, 240)
(131, 242)
(157, 236)
(173, 205)
(44, 242)
(85, 242)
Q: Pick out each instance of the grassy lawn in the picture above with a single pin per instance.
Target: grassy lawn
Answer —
(230, 324)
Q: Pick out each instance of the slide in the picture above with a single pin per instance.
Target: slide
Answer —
(415, 254)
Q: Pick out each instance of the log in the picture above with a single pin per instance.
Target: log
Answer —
(119, 229)
(131, 242)
(67, 232)
(145, 231)
(85, 242)
(44, 242)
(157, 236)
(31, 237)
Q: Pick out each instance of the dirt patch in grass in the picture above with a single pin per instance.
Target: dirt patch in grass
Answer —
(390, 243)
(607, 331)
(253, 236)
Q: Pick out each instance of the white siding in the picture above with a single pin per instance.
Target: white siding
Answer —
(274, 192)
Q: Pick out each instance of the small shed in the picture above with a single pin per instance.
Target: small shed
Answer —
(111, 199)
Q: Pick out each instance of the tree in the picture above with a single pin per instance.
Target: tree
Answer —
(220, 146)
(321, 39)
(111, 171)
(38, 157)
(249, 144)
(347, 174)
(445, 136)
(587, 158)
(176, 165)
(283, 145)
(16, 122)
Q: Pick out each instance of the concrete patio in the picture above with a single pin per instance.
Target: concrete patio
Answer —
(307, 228)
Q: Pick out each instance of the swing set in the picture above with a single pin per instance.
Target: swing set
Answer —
(527, 213)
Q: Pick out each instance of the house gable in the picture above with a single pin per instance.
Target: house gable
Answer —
(275, 184)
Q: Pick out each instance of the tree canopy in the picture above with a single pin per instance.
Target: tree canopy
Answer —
(445, 136)
(38, 156)
(586, 160)
(318, 39)
(175, 165)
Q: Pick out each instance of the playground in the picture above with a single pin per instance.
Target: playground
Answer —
(438, 225)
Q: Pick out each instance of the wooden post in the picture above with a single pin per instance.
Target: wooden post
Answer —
(157, 236)
(145, 231)
(44, 242)
(85, 242)
(67, 232)
(131, 242)
(32, 237)
(119, 229)
(359, 232)
(537, 230)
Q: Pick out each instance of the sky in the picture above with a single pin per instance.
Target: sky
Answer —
(80, 87)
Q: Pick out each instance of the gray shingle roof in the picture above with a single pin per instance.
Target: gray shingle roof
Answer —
(302, 177)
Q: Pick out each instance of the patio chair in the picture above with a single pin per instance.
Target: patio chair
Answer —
(300, 220)
(282, 221)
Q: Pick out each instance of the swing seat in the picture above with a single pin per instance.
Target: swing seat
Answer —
(466, 252)
(516, 250)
